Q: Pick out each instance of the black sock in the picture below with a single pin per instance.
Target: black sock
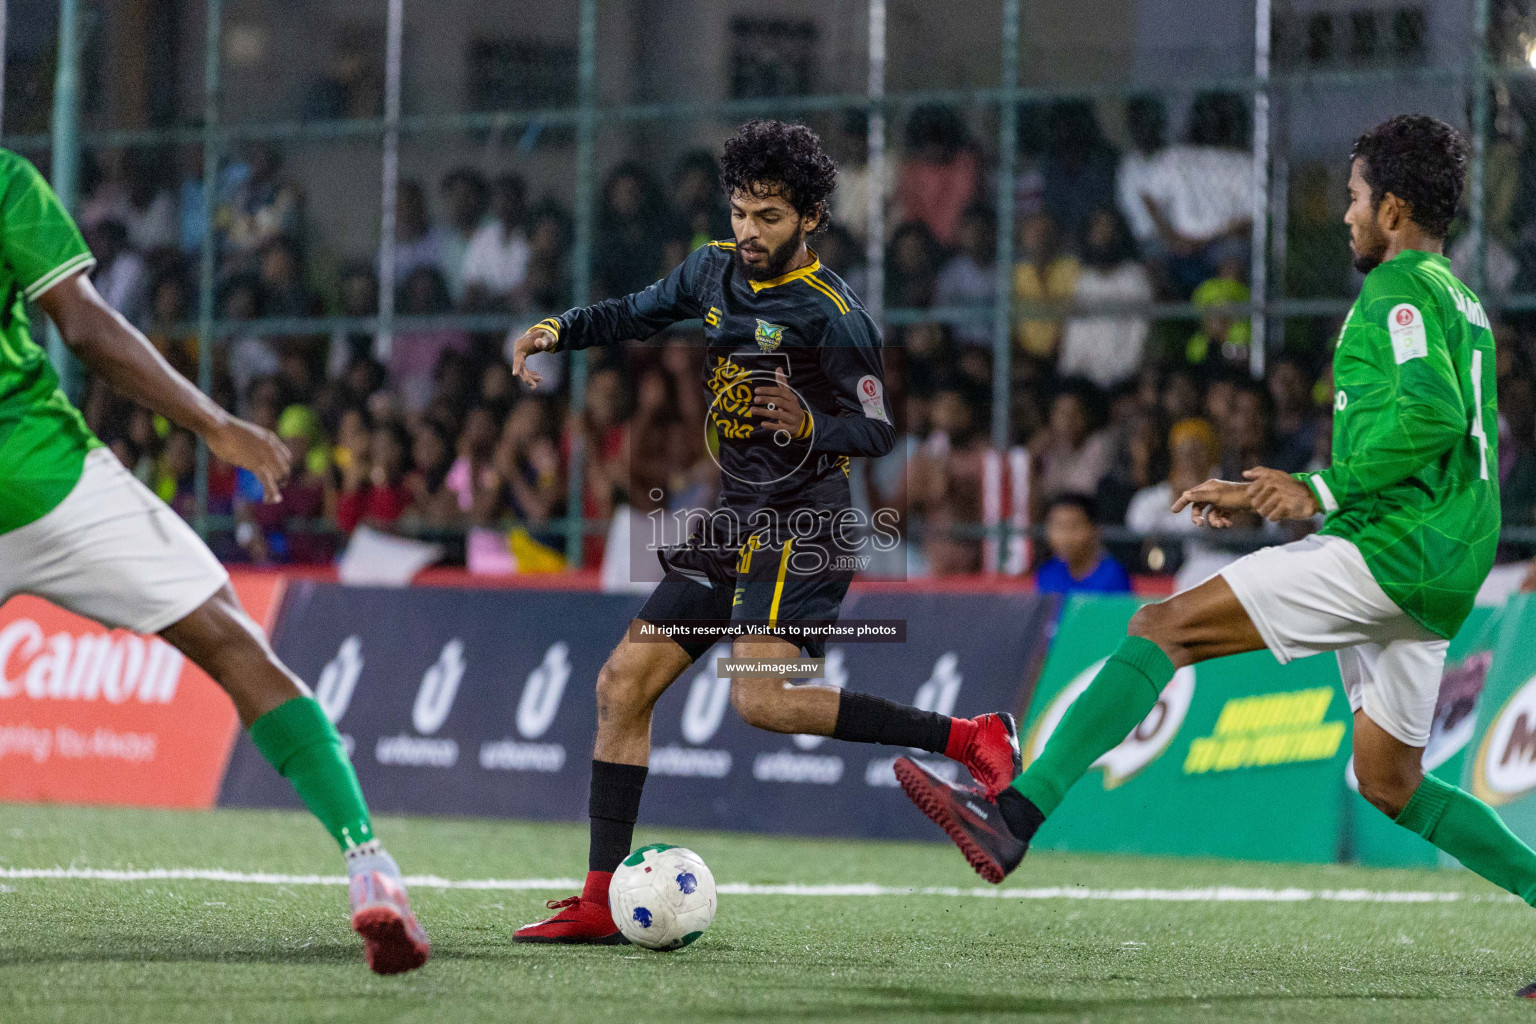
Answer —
(863, 718)
(1023, 817)
(613, 805)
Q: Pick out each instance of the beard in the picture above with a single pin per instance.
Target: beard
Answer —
(1366, 255)
(777, 261)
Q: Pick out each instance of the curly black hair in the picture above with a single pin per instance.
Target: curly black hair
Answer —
(1421, 160)
(768, 157)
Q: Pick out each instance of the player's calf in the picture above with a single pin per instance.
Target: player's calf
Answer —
(293, 734)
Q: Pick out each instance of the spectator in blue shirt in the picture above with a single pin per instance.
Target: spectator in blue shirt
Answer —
(1079, 563)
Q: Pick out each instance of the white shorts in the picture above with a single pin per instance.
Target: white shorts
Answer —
(112, 551)
(1317, 594)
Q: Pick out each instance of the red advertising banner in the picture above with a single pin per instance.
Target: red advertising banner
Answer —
(97, 716)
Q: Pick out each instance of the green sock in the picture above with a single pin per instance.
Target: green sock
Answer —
(1469, 830)
(301, 743)
(1119, 697)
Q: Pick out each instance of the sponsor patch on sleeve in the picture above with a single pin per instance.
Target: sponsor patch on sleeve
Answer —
(1406, 326)
(872, 397)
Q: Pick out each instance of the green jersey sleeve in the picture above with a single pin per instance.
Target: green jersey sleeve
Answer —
(38, 240)
(1404, 390)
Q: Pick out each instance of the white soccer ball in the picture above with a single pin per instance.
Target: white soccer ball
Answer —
(662, 897)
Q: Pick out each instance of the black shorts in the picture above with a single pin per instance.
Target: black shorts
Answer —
(758, 584)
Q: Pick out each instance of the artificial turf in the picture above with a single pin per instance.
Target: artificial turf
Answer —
(172, 951)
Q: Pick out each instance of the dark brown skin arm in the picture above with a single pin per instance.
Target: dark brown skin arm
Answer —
(115, 351)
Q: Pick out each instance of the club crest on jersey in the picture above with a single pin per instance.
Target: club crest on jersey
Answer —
(769, 335)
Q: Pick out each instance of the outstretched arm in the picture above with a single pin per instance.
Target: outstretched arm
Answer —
(638, 315)
(124, 358)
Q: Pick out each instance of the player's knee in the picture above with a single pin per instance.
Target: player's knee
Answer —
(618, 692)
(625, 692)
(753, 701)
(1160, 624)
(1387, 786)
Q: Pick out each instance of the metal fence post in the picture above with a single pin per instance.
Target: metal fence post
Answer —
(581, 266)
(1258, 234)
(874, 198)
(1007, 169)
(390, 173)
(206, 267)
(3, 12)
(1476, 227)
(66, 158)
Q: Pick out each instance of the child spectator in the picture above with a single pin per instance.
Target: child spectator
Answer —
(1221, 344)
(476, 444)
(373, 489)
(549, 271)
(1078, 169)
(121, 275)
(1078, 562)
(698, 208)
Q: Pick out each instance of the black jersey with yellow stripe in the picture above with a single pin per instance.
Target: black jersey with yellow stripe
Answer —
(806, 323)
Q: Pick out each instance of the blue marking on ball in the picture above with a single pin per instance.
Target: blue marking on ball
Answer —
(687, 883)
(642, 917)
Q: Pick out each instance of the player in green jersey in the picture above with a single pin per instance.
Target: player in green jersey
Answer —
(78, 529)
(1412, 520)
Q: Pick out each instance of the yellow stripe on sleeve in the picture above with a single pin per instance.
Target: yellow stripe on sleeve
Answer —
(828, 292)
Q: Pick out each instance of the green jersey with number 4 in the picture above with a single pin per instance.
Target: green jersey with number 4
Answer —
(1414, 482)
(43, 439)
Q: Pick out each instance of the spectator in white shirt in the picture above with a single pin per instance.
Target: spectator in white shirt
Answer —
(467, 198)
(1106, 349)
(1200, 195)
(496, 263)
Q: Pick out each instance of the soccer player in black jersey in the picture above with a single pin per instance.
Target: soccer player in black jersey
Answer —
(795, 376)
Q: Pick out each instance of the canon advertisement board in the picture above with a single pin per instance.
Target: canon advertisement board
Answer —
(480, 702)
(99, 716)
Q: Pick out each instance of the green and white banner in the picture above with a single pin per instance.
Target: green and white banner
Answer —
(1240, 758)
(1503, 762)
(1245, 758)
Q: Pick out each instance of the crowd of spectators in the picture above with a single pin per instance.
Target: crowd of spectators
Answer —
(427, 431)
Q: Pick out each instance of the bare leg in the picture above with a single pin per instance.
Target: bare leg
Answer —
(775, 705)
(225, 642)
(1389, 770)
(1198, 625)
(630, 682)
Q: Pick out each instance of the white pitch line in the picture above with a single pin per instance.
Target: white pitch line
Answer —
(1214, 894)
